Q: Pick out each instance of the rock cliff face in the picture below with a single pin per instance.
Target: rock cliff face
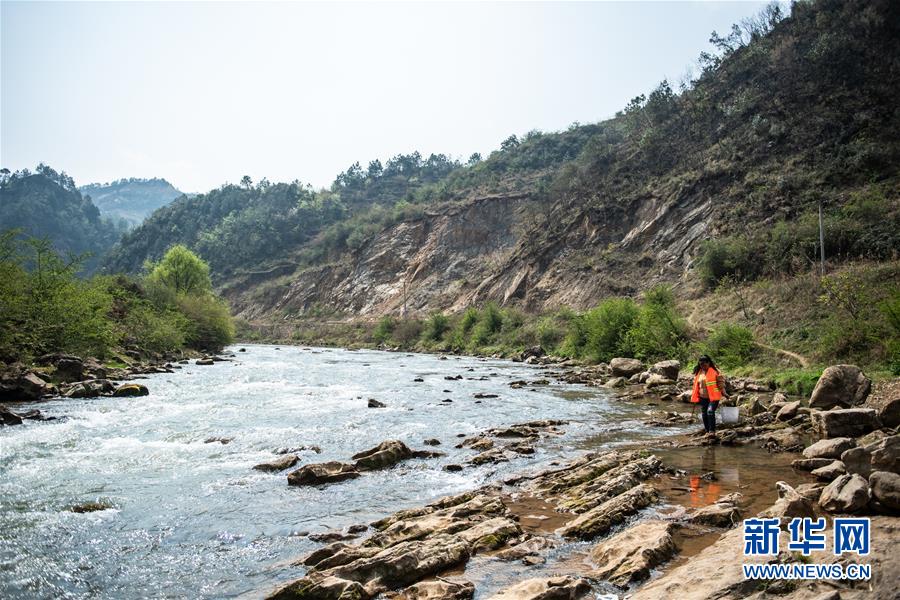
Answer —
(483, 250)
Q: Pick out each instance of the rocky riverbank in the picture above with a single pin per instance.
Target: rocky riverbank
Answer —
(595, 524)
(68, 376)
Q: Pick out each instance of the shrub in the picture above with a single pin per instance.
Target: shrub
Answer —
(490, 322)
(435, 327)
(658, 331)
(730, 345)
(406, 332)
(384, 329)
(209, 325)
(605, 328)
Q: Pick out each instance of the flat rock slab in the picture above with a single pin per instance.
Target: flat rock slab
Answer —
(602, 518)
(829, 448)
(553, 588)
(628, 556)
(440, 589)
(848, 422)
(285, 462)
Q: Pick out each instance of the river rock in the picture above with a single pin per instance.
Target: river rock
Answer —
(780, 440)
(490, 534)
(811, 491)
(615, 382)
(724, 512)
(629, 555)
(625, 367)
(857, 460)
(846, 494)
(788, 411)
(667, 368)
(829, 448)
(657, 380)
(553, 588)
(320, 473)
(756, 407)
(890, 413)
(373, 403)
(603, 486)
(90, 389)
(32, 387)
(530, 547)
(386, 454)
(849, 422)
(810, 464)
(69, 368)
(205, 362)
(885, 488)
(842, 386)
(830, 471)
(131, 390)
(285, 462)
(602, 518)
(439, 589)
(791, 504)
(532, 352)
(886, 454)
(8, 417)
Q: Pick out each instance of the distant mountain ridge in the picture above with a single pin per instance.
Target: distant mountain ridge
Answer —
(132, 199)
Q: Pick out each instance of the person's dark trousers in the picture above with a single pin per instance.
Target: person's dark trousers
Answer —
(708, 411)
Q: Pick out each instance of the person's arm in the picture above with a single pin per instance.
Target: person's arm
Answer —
(720, 383)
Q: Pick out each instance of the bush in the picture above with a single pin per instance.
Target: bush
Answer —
(490, 322)
(600, 333)
(384, 329)
(730, 345)
(437, 325)
(658, 331)
(209, 325)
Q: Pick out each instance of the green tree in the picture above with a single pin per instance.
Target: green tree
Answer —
(183, 271)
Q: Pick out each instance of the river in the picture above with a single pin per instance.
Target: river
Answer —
(190, 518)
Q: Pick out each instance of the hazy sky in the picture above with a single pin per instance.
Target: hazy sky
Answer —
(203, 93)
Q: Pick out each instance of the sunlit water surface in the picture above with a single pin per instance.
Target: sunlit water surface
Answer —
(192, 519)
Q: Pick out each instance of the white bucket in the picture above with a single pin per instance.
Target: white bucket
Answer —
(729, 414)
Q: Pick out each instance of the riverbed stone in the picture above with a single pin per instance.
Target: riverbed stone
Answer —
(848, 422)
(840, 386)
(204, 362)
(552, 588)
(657, 380)
(386, 454)
(130, 390)
(614, 511)
(724, 512)
(373, 403)
(788, 411)
(857, 460)
(885, 487)
(625, 367)
(890, 413)
(886, 454)
(285, 462)
(321, 473)
(628, 556)
(667, 368)
(830, 471)
(829, 448)
(8, 417)
(847, 494)
(791, 504)
(810, 464)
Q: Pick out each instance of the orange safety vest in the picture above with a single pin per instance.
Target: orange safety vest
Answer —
(712, 386)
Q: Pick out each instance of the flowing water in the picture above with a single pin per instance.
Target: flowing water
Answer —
(190, 518)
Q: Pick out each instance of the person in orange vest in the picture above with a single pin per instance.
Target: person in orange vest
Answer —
(709, 388)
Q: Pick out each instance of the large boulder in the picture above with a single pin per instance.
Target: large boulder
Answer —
(667, 368)
(842, 386)
(886, 454)
(848, 422)
(320, 473)
(553, 588)
(810, 464)
(625, 367)
(846, 494)
(32, 387)
(629, 555)
(69, 369)
(857, 460)
(830, 471)
(8, 417)
(885, 488)
(829, 448)
(91, 388)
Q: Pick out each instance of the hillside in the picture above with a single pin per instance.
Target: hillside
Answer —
(47, 204)
(717, 181)
(131, 200)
